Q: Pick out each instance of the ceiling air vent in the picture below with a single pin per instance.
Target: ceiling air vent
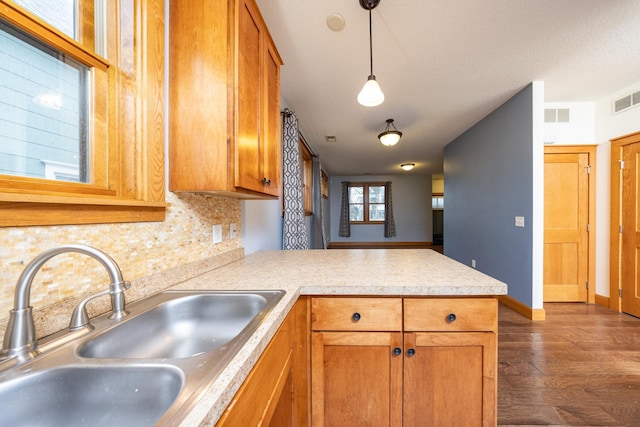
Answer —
(626, 102)
(556, 115)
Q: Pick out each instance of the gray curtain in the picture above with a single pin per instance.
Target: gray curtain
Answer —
(317, 230)
(345, 228)
(389, 223)
(294, 231)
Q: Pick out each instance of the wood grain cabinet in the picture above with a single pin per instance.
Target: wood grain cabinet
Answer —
(224, 100)
(275, 392)
(403, 361)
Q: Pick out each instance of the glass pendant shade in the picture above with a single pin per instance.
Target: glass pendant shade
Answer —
(391, 135)
(371, 95)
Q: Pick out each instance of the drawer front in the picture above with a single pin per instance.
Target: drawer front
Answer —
(450, 314)
(356, 314)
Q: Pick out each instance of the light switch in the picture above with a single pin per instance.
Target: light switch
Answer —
(519, 221)
(233, 231)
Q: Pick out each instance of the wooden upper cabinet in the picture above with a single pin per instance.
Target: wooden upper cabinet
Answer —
(224, 100)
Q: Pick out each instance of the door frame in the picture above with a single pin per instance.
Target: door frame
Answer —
(590, 150)
(615, 237)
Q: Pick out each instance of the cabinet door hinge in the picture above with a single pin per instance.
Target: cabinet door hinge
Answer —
(621, 228)
(588, 169)
(620, 293)
(621, 164)
(587, 285)
(588, 228)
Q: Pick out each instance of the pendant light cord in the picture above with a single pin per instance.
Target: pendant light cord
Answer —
(370, 42)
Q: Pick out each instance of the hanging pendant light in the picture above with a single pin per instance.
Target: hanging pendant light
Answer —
(371, 95)
(390, 136)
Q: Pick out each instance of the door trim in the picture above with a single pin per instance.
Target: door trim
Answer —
(615, 237)
(590, 150)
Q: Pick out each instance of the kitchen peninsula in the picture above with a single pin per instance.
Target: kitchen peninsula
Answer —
(407, 307)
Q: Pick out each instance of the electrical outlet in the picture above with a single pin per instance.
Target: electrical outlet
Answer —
(217, 233)
(233, 231)
(473, 263)
(519, 221)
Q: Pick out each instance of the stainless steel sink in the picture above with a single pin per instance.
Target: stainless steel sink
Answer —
(90, 396)
(185, 326)
(145, 369)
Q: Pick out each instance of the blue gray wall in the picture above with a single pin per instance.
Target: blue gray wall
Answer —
(411, 209)
(488, 181)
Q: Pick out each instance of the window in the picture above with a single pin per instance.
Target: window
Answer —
(366, 202)
(307, 176)
(437, 201)
(80, 130)
(43, 110)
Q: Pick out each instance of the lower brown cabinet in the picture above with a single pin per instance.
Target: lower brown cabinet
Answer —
(427, 362)
(276, 391)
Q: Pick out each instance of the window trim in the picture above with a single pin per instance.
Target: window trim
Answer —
(366, 203)
(126, 124)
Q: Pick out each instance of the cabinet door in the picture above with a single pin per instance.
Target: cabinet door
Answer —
(356, 379)
(270, 144)
(450, 379)
(249, 88)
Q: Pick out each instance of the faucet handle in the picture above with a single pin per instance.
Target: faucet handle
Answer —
(80, 317)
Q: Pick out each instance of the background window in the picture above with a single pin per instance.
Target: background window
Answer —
(366, 202)
(43, 109)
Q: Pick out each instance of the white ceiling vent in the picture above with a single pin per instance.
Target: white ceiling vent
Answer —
(628, 101)
(557, 115)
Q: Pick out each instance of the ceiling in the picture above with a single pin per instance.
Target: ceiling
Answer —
(442, 65)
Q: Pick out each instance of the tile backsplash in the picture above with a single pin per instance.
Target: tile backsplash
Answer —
(140, 249)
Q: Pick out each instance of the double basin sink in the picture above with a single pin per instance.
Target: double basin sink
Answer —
(147, 369)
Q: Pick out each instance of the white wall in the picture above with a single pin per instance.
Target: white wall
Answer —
(581, 127)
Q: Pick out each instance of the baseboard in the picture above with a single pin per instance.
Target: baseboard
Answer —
(602, 300)
(526, 311)
(379, 245)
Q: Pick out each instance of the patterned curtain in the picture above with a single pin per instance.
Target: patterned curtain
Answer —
(317, 229)
(345, 228)
(389, 223)
(294, 231)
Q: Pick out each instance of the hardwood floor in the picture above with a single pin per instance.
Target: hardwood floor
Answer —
(580, 367)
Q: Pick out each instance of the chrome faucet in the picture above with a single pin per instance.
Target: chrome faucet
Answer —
(20, 338)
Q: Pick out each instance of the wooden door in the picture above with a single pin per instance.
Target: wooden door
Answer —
(630, 254)
(356, 379)
(450, 379)
(566, 219)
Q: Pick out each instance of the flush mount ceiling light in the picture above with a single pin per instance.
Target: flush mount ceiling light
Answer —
(371, 95)
(390, 136)
(407, 166)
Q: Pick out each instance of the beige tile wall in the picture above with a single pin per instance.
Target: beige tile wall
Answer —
(140, 249)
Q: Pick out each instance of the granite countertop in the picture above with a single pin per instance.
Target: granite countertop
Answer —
(417, 272)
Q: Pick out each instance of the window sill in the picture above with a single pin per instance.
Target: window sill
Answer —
(18, 210)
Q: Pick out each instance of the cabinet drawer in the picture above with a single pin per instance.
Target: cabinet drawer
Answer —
(356, 314)
(450, 314)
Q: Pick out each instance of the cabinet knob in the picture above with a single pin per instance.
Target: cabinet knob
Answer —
(397, 351)
(356, 316)
(266, 181)
(451, 318)
(411, 352)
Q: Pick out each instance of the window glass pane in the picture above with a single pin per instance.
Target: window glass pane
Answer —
(437, 202)
(376, 194)
(376, 212)
(43, 110)
(356, 213)
(59, 13)
(356, 194)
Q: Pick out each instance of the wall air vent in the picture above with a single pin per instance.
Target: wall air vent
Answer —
(556, 115)
(626, 102)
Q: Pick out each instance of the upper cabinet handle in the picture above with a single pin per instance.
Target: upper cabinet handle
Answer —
(451, 318)
(266, 181)
(356, 316)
